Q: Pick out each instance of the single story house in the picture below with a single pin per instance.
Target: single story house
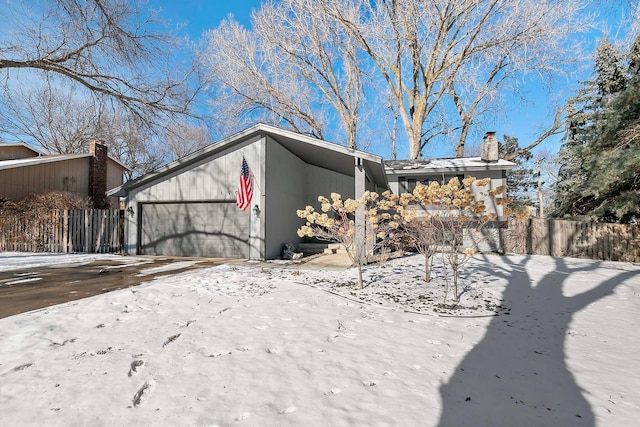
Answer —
(25, 171)
(187, 208)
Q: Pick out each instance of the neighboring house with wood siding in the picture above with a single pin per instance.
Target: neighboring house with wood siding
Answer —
(187, 208)
(25, 171)
(20, 150)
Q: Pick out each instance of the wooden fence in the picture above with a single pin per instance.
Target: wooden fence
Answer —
(538, 236)
(90, 231)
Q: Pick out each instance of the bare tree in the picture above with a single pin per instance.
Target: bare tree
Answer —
(112, 49)
(249, 84)
(444, 62)
(293, 64)
(131, 141)
(180, 139)
(322, 55)
(57, 120)
(51, 116)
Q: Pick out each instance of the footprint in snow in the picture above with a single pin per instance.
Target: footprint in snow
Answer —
(289, 410)
(333, 392)
(22, 367)
(136, 366)
(171, 339)
(143, 393)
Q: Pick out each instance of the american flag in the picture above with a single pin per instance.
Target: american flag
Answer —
(245, 189)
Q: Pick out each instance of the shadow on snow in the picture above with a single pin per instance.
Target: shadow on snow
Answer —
(517, 374)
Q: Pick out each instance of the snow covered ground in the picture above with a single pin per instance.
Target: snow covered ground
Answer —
(535, 341)
(20, 260)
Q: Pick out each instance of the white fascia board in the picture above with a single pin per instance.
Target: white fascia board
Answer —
(318, 142)
(31, 161)
(230, 141)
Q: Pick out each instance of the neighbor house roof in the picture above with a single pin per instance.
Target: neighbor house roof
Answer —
(31, 161)
(457, 164)
(27, 150)
(311, 150)
(20, 144)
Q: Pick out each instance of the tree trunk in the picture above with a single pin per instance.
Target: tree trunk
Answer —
(427, 268)
(455, 282)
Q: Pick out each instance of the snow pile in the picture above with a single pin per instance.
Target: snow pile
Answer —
(536, 341)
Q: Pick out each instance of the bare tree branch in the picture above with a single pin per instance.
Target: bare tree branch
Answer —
(556, 128)
(112, 48)
(423, 49)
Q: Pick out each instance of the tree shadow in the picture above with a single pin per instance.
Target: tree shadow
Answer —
(517, 374)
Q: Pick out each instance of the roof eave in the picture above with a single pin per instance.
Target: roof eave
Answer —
(258, 129)
(476, 167)
(31, 161)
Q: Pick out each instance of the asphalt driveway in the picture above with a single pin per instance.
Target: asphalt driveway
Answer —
(41, 287)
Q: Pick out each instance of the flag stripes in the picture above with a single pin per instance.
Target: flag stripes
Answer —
(245, 187)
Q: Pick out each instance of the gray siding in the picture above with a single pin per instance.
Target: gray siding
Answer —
(293, 184)
(324, 182)
(286, 189)
(480, 192)
(212, 179)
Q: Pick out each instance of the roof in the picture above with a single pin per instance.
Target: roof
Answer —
(313, 151)
(21, 144)
(461, 164)
(31, 161)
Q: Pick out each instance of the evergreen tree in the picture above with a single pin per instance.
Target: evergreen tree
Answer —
(600, 156)
(613, 160)
(521, 179)
(571, 173)
(610, 73)
(634, 58)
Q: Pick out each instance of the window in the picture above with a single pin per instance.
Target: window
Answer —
(407, 184)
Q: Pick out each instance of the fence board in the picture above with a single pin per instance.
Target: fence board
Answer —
(96, 231)
(612, 242)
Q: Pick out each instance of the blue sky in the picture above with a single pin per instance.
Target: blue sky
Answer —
(521, 120)
(202, 15)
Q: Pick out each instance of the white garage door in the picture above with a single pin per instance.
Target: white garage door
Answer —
(194, 230)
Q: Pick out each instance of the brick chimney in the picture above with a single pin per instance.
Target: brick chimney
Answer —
(489, 149)
(98, 174)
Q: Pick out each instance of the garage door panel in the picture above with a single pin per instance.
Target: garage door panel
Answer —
(195, 229)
